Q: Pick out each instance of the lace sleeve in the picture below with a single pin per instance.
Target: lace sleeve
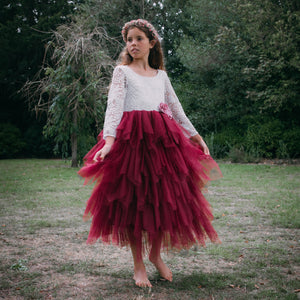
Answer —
(115, 103)
(176, 108)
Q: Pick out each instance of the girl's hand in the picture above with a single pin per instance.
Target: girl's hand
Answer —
(199, 140)
(204, 147)
(102, 153)
(105, 150)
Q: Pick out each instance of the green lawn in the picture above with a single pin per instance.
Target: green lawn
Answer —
(44, 255)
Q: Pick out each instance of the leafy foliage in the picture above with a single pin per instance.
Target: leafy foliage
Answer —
(234, 65)
(72, 92)
(25, 27)
(11, 141)
(242, 70)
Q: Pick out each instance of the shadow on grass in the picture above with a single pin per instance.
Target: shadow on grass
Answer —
(202, 280)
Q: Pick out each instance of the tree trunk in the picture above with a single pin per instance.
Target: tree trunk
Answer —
(74, 141)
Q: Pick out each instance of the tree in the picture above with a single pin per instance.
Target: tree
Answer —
(72, 92)
(242, 59)
(25, 28)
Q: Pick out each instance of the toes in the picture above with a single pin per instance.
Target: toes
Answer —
(143, 284)
(168, 278)
(138, 283)
(149, 285)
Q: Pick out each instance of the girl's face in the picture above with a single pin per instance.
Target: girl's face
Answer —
(138, 44)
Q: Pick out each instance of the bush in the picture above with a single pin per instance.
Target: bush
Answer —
(291, 143)
(267, 140)
(270, 140)
(239, 155)
(85, 143)
(222, 142)
(11, 141)
(36, 143)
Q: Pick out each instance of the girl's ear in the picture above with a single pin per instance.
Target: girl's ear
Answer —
(152, 44)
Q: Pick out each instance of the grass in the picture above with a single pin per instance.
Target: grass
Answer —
(44, 255)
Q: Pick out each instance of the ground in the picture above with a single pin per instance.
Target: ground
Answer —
(44, 253)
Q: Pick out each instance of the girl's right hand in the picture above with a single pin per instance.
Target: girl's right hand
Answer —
(102, 153)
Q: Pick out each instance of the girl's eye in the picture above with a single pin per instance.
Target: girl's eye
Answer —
(130, 39)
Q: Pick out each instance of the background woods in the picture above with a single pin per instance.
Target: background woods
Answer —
(24, 30)
(234, 66)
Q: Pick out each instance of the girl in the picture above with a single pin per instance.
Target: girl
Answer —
(150, 164)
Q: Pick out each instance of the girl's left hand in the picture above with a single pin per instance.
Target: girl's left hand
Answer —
(204, 147)
(199, 140)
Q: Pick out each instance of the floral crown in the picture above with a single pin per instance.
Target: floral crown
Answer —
(140, 23)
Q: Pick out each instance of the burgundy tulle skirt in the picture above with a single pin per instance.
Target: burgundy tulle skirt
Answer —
(150, 185)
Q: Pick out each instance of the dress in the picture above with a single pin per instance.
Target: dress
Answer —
(152, 179)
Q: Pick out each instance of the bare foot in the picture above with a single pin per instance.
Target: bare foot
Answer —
(162, 268)
(140, 277)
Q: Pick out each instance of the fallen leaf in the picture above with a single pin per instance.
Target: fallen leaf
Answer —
(297, 291)
(246, 242)
(231, 285)
(256, 286)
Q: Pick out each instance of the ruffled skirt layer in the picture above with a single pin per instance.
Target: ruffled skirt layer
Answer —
(150, 185)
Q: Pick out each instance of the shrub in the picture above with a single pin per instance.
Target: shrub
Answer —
(291, 142)
(36, 143)
(85, 143)
(271, 140)
(11, 141)
(222, 142)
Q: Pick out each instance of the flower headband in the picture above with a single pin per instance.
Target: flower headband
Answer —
(140, 23)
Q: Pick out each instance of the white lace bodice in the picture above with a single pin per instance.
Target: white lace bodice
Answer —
(130, 91)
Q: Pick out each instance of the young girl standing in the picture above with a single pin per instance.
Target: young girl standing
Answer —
(150, 164)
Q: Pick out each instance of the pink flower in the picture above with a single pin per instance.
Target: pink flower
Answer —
(164, 108)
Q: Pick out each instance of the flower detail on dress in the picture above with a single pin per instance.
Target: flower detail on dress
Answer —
(164, 108)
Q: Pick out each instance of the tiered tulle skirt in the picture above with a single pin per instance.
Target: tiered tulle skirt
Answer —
(150, 185)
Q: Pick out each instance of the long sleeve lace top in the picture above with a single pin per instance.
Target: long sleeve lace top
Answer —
(130, 91)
